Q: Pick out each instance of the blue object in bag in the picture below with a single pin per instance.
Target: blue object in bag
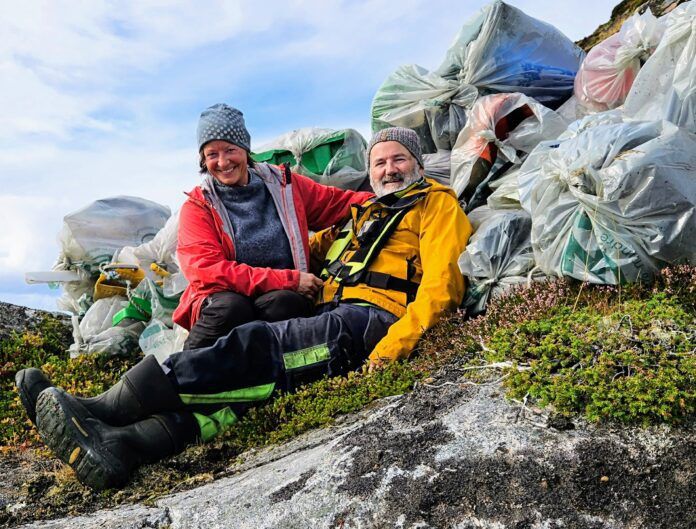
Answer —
(502, 49)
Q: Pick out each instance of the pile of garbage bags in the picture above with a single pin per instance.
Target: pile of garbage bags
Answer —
(501, 130)
(331, 157)
(120, 277)
(610, 68)
(499, 50)
(605, 189)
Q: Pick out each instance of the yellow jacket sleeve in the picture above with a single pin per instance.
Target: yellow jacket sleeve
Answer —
(444, 232)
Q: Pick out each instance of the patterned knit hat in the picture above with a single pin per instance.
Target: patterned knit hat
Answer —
(222, 122)
(405, 137)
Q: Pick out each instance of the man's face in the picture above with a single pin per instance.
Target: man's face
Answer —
(392, 168)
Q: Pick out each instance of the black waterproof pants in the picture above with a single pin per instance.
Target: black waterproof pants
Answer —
(223, 311)
(219, 383)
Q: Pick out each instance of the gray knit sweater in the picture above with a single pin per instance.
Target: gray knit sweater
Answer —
(259, 237)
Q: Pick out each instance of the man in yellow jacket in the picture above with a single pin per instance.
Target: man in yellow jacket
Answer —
(389, 274)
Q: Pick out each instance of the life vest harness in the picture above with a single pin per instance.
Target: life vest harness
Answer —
(370, 241)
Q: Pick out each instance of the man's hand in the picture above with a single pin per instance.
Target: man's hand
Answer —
(309, 285)
(373, 365)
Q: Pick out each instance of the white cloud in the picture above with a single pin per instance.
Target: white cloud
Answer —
(27, 230)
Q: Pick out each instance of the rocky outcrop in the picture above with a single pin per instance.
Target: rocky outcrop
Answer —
(621, 12)
(15, 318)
(450, 454)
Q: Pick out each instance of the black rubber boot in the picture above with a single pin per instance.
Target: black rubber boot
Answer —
(30, 383)
(142, 391)
(105, 456)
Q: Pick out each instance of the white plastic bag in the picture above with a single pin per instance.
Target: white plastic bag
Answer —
(94, 334)
(161, 250)
(499, 127)
(417, 99)
(345, 169)
(505, 193)
(498, 256)
(607, 73)
(92, 235)
(665, 87)
(501, 49)
(162, 306)
(614, 203)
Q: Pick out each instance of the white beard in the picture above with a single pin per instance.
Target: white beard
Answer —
(382, 189)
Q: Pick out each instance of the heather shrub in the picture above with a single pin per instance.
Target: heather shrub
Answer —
(625, 353)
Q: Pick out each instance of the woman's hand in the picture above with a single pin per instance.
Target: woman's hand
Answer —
(309, 285)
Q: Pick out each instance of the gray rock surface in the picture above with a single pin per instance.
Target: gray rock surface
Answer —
(130, 517)
(447, 455)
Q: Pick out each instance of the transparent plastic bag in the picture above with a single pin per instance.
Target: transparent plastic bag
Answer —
(500, 129)
(614, 203)
(609, 69)
(94, 233)
(330, 157)
(498, 256)
(161, 341)
(479, 215)
(417, 99)
(161, 306)
(505, 193)
(665, 87)
(501, 49)
(437, 166)
(161, 250)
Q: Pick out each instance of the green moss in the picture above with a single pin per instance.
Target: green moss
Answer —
(45, 348)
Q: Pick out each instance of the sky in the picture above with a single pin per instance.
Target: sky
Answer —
(102, 98)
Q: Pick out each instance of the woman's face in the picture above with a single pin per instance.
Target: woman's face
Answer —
(226, 162)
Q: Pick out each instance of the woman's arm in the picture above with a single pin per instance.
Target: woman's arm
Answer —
(207, 265)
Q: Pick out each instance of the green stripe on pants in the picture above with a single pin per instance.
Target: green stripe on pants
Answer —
(251, 394)
(306, 357)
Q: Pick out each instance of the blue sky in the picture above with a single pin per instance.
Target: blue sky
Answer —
(102, 98)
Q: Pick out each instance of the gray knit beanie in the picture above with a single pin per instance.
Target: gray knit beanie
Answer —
(404, 136)
(222, 122)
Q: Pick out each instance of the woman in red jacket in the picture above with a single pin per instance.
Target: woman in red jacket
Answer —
(243, 234)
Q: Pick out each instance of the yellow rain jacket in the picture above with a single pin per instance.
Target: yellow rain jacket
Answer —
(424, 248)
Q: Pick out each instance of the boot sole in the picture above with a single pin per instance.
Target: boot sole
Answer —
(63, 428)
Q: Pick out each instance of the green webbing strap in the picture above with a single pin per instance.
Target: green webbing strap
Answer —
(306, 357)
(337, 248)
(138, 309)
